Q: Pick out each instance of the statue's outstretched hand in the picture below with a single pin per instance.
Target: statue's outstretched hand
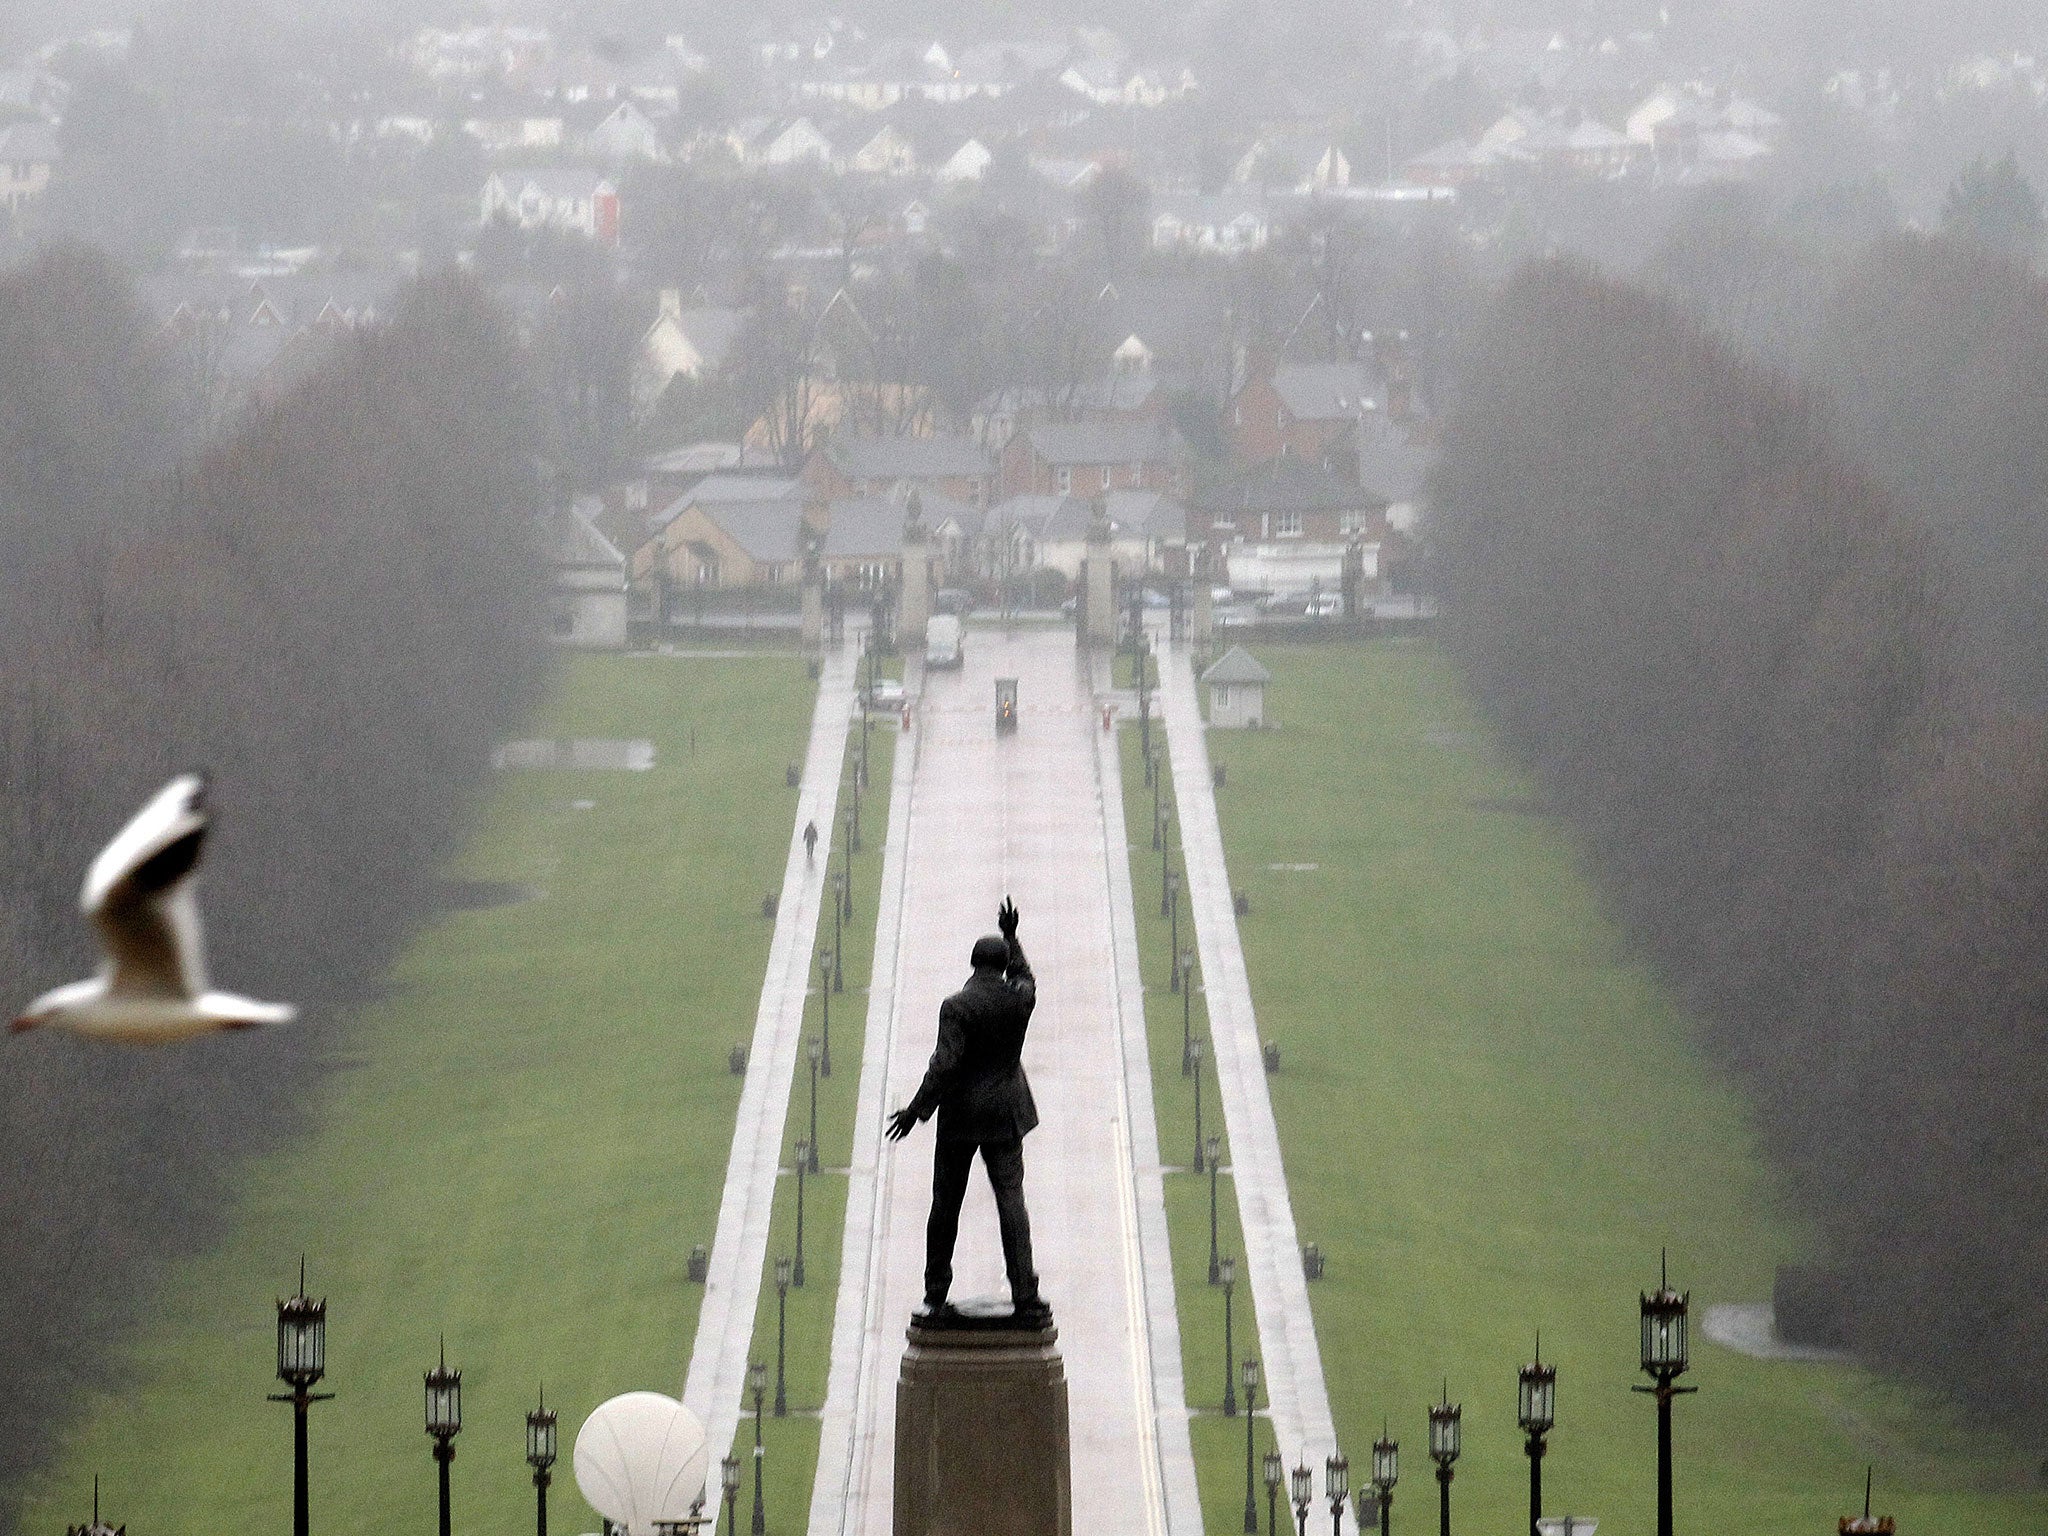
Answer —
(901, 1124)
(1006, 918)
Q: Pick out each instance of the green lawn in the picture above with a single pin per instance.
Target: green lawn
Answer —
(517, 1149)
(1493, 1118)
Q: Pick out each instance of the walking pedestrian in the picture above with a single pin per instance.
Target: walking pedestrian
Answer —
(810, 843)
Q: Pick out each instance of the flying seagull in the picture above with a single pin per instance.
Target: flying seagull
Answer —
(152, 986)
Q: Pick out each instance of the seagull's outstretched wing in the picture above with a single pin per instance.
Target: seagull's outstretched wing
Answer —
(139, 897)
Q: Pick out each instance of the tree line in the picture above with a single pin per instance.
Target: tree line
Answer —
(334, 610)
(1764, 644)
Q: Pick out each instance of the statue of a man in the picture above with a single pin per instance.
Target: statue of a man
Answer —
(976, 1084)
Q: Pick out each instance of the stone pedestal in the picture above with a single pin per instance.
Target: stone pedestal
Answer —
(1098, 582)
(915, 608)
(981, 1429)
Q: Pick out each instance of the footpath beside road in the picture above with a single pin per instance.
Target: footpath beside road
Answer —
(717, 1373)
(1037, 815)
(1296, 1395)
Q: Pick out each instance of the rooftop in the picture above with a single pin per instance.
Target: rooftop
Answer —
(1236, 666)
(863, 526)
(908, 458)
(1324, 391)
(1105, 442)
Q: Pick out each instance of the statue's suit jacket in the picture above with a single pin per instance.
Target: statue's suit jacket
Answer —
(976, 1078)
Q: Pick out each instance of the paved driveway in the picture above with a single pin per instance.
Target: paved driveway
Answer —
(982, 815)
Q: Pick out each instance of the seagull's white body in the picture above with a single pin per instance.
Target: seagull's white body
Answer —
(138, 895)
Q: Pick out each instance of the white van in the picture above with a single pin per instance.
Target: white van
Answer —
(942, 641)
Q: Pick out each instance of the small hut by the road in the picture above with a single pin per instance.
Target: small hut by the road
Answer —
(1237, 691)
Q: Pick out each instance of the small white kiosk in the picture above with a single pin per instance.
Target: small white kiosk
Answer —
(1237, 691)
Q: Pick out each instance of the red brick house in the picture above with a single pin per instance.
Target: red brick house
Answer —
(850, 467)
(1313, 411)
(1288, 498)
(1093, 458)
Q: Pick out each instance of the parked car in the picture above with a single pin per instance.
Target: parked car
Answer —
(954, 600)
(942, 641)
(886, 694)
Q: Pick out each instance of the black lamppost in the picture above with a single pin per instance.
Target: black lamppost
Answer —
(1173, 916)
(1446, 1440)
(826, 963)
(816, 1053)
(1228, 1276)
(803, 1159)
(1536, 1412)
(1865, 1524)
(1169, 896)
(1215, 1151)
(729, 1485)
(757, 1384)
(1166, 863)
(444, 1421)
(301, 1361)
(541, 1445)
(1196, 1047)
(851, 821)
(1386, 1471)
(1304, 1490)
(100, 1528)
(782, 1273)
(839, 914)
(862, 782)
(1152, 763)
(1251, 1403)
(1337, 1486)
(1186, 967)
(1666, 1353)
(1275, 1471)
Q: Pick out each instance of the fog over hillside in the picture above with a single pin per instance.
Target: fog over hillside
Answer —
(1675, 372)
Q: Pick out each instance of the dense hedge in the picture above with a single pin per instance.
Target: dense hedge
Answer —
(1736, 664)
(334, 610)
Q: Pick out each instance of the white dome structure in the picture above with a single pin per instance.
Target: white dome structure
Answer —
(640, 1459)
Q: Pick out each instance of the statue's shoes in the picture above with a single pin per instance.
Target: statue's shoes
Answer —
(1036, 1310)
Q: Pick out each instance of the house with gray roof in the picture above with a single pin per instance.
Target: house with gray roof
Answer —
(728, 531)
(681, 344)
(1093, 458)
(1319, 412)
(586, 581)
(953, 466)
(863, 541)
(1237, 691)
(728, 543)
(1051, 532)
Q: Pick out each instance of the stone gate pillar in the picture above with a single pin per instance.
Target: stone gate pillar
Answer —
(1098, 577)
(914, 606)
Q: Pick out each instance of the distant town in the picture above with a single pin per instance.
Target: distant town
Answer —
(791, 278)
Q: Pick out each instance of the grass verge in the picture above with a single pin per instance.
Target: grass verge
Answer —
(515, 1150)
(1493, 1118)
